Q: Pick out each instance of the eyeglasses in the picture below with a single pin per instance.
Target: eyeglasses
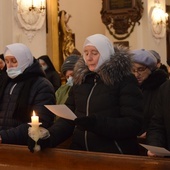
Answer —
(139, 70)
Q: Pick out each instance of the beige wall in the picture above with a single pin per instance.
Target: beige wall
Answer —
(10, 32)
(6, 23)
(86, 20)
(167, 2)
(142, 36)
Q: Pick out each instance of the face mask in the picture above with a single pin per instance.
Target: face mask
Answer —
(70, 81)
(44, 67)
(13, 72)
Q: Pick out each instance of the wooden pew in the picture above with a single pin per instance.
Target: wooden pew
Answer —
(19, 158)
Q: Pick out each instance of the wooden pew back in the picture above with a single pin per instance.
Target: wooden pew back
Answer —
(19, 158)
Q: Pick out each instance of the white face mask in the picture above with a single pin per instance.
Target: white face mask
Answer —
(70, 81)
(44, 67)
(13, 72)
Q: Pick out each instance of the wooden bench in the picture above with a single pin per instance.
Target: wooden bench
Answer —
(19, 158)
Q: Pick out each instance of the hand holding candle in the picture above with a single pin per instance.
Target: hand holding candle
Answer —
(33, 131)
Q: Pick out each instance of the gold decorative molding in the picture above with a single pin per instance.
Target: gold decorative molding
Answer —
(52, 32)
(66, 36)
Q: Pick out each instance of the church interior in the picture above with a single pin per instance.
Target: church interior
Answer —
(58, 27)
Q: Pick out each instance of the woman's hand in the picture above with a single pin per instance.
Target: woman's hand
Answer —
(149, 153)
(143, 136)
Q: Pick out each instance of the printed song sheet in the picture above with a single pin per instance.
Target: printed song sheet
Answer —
(157, 150)
(61, 111)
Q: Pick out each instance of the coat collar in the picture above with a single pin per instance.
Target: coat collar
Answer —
(111, 71)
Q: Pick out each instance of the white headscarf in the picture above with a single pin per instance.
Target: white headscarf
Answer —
(103, 45)
(22, 54)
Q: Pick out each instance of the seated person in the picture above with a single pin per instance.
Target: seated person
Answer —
(67, 71)
(149, 78)
(106, 100)
(2, 63)
(52, 75)
(26, 90)
(158, 133)
(159, 64)
(3, 74)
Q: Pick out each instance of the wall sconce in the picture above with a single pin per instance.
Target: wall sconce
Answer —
(30, 15)
(37, 7)
(159, 21)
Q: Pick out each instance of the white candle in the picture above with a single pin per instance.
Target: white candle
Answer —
(34, 130)
(34, 119)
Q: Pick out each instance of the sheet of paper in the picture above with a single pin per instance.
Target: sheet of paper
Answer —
(61, 111)
(157, 150)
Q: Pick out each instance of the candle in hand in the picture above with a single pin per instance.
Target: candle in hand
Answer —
(34, 119)
(34, 130)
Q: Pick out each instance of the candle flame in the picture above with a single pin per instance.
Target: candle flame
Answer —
(34, 113)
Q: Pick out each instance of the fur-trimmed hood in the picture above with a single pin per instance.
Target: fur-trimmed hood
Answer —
(110, 72)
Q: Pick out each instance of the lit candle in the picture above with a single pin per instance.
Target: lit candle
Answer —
(34, 119)
(34, 130)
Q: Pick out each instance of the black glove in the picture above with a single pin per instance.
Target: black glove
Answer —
(85, 123)
(44, 143)
(31, 144)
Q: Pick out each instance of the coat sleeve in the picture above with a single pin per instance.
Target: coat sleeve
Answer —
(17, 135)
(44, 94)
(156, 134)
(61, 130)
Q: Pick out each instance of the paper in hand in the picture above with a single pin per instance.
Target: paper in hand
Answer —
(62, 111)
(159, 151)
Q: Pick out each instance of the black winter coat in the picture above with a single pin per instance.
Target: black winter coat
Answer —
(113, 97)
(150, 88)
(54, 77)
(14, 128)
(159, 130)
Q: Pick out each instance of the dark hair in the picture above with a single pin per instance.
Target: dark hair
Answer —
(2, 57)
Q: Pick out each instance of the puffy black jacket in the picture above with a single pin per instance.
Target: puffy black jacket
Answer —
(54, 77)
(150, 88)
(114, 98)
(41, 92)
(158, 133)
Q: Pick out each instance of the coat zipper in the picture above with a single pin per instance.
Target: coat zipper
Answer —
(12, 88)
(87, 113)
(118, 147)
